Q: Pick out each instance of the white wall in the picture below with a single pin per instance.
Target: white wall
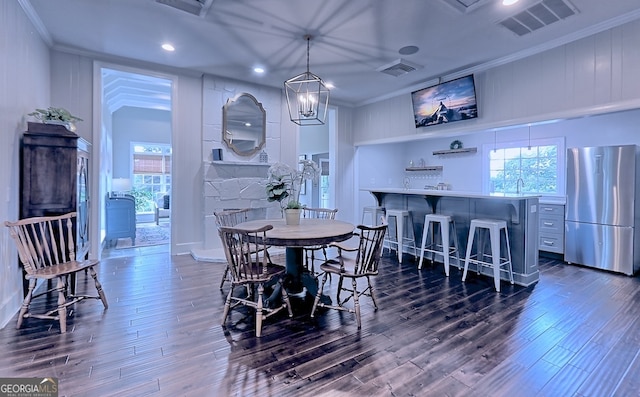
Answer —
(132, 124)
(24, 84)
(314, 139)
(71, 87)
(186, 171)
(342, 165)
(215, 93)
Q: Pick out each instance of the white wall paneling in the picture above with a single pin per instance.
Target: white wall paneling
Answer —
(630, 59)
(593, 75)
(24, 84)
(343, 165)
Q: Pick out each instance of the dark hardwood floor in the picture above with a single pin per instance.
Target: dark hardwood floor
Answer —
(575, 333)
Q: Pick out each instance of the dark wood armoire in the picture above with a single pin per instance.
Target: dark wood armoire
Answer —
(55, 177)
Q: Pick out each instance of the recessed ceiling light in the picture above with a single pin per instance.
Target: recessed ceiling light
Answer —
(258, 70)
(329, 85)
(168, 47)
(509, 2)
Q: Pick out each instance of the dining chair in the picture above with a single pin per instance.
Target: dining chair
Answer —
(230, 218)
(47, 251)
(249, 267)
(364, 264)
(310, 251)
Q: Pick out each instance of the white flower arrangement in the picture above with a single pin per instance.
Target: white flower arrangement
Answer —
(284, 182)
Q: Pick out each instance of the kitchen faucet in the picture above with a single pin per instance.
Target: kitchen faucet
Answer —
(518, 182)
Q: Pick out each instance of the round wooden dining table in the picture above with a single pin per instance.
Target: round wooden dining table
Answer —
(309, 232)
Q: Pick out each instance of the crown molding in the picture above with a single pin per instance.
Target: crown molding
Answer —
(36, 21)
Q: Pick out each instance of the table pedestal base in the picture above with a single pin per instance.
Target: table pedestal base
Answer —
(297, 279)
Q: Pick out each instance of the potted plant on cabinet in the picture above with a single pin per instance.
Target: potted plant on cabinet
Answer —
(52, 115)
(284, 183)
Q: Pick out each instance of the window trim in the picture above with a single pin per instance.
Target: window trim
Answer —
(560, 168)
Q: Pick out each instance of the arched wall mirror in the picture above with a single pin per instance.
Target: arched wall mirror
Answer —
(243, 124)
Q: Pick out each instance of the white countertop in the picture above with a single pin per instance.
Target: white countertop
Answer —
(552, 200)
(451, 193)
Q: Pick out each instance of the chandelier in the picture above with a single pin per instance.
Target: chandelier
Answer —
(307, 97)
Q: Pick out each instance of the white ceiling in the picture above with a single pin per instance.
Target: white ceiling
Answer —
(352, 39)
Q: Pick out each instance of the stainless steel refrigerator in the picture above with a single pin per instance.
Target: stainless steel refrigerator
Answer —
(601, 213)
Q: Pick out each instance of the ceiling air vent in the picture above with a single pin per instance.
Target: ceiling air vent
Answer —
(465, 6)
(399, 67)
(539, 15)
(195, 7)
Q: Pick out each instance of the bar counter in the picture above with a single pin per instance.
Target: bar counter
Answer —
(520, 212)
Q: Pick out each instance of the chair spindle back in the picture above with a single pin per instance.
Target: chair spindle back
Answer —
(319, 213)
(246, 252)
(369, 248)
(44, 241)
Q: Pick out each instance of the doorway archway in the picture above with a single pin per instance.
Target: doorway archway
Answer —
(130, 96)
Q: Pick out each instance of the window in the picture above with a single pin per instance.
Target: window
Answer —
(324, 183)
(516, 167)
(151, 172)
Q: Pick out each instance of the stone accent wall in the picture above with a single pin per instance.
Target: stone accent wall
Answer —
(231, 185)
(236, 182)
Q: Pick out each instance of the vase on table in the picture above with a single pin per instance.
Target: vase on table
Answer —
(292, 216)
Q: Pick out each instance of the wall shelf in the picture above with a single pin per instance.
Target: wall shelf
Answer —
(241, 163)
(455, 151)
(426, 168)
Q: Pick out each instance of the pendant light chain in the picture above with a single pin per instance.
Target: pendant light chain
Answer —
(308, 41)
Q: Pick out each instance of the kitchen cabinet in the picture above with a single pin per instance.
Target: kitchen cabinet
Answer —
(551, 228)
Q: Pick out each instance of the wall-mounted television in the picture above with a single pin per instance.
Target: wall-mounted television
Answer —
(444, 103)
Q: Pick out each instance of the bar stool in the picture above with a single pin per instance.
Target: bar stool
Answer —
(403, 222)
(374, 212)
(495, 228)
(447, 233)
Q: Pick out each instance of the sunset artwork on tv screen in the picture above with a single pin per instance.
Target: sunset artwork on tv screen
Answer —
(452, 101)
